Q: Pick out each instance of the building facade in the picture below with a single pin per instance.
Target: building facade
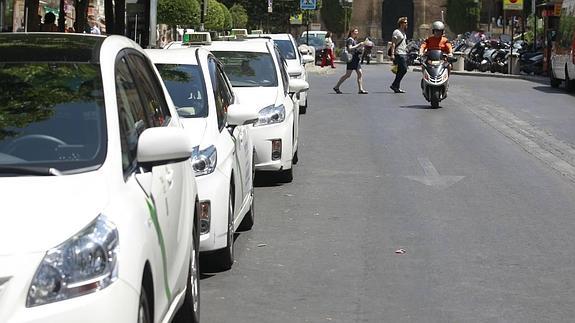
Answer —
(378, 18)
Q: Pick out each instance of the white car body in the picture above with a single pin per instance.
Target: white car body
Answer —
(283, 93)
(128, 220)
(295, 62)
(226, 131)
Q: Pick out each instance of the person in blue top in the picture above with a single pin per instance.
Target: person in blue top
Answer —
(356, 50)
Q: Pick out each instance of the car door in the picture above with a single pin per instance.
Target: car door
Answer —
(289, 98)
(242, 141)
(224, 141)
(167, 183)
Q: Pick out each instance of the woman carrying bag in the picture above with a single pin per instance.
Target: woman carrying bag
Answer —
(355, 49)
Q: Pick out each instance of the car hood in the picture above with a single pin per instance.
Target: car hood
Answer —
(260, 97)
(39, 213)
(196, 128)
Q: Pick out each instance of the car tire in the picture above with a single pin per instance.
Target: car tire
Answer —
(190, 310)
(144, 313)
(225, 256)
(303, 108)
(554, 82)
(286, 176)
(295, 159)
(569, 83)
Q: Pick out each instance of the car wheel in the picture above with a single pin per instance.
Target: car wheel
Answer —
(295, 159)
(225, 257)
(569, 83)
(249, 218)
(190, 310)
(554, 81)
(144, 307)
(286, 176)
(303, 108)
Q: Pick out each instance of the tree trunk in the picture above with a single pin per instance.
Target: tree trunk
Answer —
(33, 21)
(110, 20)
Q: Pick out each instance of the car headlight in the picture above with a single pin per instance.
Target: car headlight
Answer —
(83, 264)
(204, 161)
(270, 115)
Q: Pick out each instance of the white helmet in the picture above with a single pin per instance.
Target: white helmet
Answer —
(438, 25)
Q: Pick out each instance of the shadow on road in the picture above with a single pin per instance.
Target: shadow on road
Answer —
(550, 90)
(421, 107)
(268, 179)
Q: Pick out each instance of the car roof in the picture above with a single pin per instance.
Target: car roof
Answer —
(50, 47)
(181, 55)
(257, 45)
(278, 36)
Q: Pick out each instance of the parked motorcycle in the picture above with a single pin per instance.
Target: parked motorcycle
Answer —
(435, 76)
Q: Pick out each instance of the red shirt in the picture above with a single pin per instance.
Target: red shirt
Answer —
(437, 43)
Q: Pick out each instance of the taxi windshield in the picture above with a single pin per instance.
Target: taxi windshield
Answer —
(187, 89)
(52, 115)
(248, 69)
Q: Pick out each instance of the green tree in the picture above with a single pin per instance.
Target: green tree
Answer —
(462, 15)
(334, 16)
(185, 13)
(239, 16)
(215, 17)
(227, 17)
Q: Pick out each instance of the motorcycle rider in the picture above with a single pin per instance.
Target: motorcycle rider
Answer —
(436, 41)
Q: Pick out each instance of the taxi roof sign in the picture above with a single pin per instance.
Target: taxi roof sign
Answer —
(239, 32)
(197, 38)
(257, 32)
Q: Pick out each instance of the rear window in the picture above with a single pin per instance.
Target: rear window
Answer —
(286, 48)
(187, 89)
(248, 69)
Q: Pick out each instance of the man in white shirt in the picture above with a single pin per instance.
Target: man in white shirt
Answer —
(399, 53)
(94, 28)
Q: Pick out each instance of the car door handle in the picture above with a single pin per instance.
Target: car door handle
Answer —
(169, 178)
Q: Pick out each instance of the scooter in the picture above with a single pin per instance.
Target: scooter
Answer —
(435, 81)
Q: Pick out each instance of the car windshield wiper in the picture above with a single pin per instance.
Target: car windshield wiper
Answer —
(30, 170)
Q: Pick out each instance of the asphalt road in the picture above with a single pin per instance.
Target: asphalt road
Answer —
(403, 213)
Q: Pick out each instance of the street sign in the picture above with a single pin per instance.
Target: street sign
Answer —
(296, 19)
(512, 4)
(346, 3)
(270, 6)
(308, 4)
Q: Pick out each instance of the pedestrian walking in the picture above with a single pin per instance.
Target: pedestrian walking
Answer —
(48, 25)
(367, 47)
(399, 53)
(328, 51)
(355, 49)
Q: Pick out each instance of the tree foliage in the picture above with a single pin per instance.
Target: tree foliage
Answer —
(333, 16)
(215, 17)
(227, 17)
(462, 15)
(179, 12)
(239, 16)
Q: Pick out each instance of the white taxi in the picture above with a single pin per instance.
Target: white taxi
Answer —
(98, 220)
(296, 62)
(224, 153)
(258, 74)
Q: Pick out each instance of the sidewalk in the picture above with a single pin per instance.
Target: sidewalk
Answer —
(534, 78)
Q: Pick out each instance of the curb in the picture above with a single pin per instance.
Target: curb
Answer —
(495, 75)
